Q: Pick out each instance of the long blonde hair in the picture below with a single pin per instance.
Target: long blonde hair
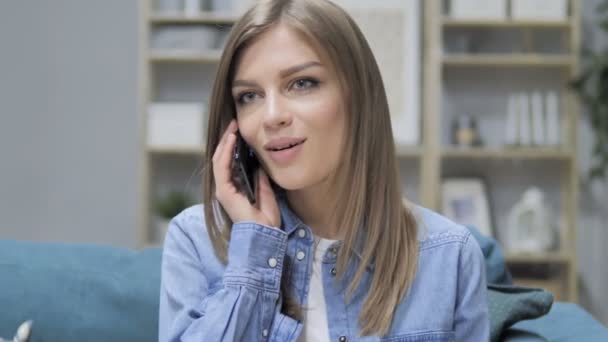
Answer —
(368, 205)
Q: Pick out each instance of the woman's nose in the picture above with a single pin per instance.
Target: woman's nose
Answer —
(276, 113)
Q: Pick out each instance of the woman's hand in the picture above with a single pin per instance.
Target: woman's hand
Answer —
(266, 210)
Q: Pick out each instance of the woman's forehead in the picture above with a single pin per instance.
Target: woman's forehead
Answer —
(278, 48)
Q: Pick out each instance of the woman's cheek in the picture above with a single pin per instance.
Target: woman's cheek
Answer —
(247, 127)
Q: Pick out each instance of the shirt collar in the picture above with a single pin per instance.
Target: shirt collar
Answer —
(290, 222)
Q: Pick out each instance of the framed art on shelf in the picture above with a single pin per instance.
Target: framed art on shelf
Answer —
(465, 201)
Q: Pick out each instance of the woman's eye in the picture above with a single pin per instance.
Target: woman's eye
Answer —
(305, 83)
(245, 98)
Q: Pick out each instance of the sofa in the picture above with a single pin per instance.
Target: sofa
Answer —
(88, 292)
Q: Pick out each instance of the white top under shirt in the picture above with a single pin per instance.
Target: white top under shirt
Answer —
(315, 327)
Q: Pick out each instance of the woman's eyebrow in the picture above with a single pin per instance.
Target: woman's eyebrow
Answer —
(296, 68)
(283, 73)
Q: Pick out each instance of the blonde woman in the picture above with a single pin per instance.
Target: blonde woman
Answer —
(328, 251)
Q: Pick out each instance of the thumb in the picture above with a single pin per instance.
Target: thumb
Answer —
(267, 200)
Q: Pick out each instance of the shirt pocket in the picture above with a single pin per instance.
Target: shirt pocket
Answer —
(431, 336)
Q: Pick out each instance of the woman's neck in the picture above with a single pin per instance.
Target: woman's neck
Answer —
(312, 206)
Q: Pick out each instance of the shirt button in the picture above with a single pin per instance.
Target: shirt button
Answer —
(272, 262)
(342, 339)
(265, 332)
(300, 255)
(301, 232)
(333, 271)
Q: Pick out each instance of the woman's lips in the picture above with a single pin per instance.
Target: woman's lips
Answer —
(286, 156)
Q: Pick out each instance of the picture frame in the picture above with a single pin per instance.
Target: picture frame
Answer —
(465, 201)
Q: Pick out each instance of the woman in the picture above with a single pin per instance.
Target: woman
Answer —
(329, 251)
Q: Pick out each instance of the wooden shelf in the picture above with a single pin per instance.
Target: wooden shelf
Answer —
(506, 153)
(177, 150)
(508, 23)
(535, 258)
(184, 56)
(508, 60)
(201, 18)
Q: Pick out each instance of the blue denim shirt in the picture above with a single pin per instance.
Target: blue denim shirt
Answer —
(202, 299)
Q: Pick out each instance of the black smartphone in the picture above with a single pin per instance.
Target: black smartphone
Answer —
(244, 166)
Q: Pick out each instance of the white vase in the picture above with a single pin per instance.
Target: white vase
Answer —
(530, 227)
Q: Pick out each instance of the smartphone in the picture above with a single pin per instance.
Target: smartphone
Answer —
(244, 166)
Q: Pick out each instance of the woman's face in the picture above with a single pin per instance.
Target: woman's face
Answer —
(286, 93)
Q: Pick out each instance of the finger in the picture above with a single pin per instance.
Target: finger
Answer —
(223, 165)
(217, 170)
(220, 146)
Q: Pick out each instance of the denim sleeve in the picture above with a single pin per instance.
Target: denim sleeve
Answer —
(471, 319)
(243, 306)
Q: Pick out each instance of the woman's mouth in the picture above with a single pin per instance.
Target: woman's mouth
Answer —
(286, 154)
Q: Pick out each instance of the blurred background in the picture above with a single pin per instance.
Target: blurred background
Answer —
(103, 116)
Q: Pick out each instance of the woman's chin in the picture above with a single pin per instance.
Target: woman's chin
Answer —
(289, 183)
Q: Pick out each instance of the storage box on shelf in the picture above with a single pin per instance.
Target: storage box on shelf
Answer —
(473, 63)
(175, 126)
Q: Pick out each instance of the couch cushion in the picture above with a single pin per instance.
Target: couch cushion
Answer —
(79, 292)
(496, 267)
(509, 304)
(565, 322)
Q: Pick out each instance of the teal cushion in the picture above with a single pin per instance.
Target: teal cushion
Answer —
(509, 304)
(565, 322)
(79, 292)
(496, 268)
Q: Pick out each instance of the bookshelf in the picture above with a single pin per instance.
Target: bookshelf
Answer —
(447, 72)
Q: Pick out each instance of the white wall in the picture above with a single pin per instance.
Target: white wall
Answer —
(68, 123)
